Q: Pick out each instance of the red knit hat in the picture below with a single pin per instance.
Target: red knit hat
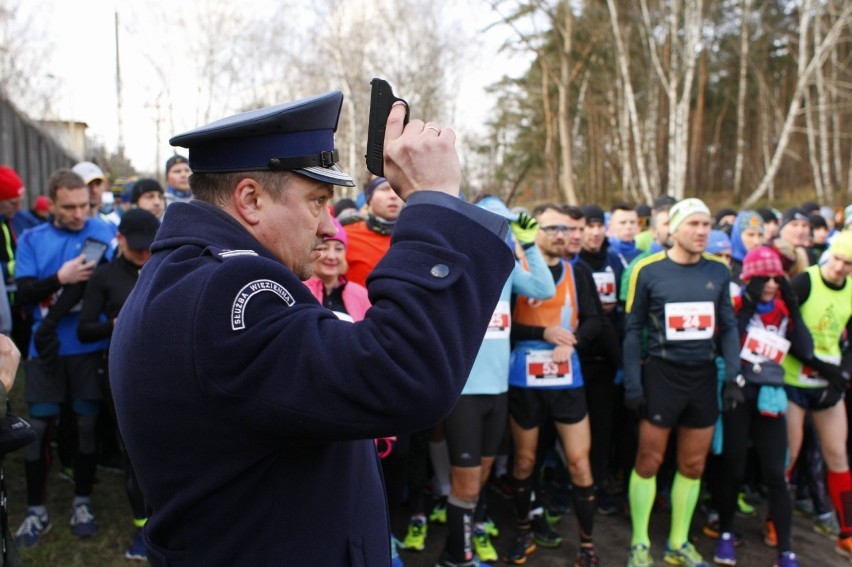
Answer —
(11, 186)
(42, 204)
(762, 261)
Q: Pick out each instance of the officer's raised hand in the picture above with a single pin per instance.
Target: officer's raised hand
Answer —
(420, 156)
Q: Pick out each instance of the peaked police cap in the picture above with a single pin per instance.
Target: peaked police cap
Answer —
(296, 136)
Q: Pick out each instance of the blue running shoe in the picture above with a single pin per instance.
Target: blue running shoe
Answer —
(83, 523)
(725, 554)
(396, 560)
(443, 561)
(137, 550)
(787, 559)
(31, 530)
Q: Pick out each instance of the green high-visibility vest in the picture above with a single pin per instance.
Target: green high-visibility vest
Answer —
(825, 312)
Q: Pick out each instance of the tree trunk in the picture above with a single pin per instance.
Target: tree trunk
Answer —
(742, 88)
(697, 145)
(821, 52)
(822, 122)
(552, 179)
(630, 100)
(565, 139)
(813, 151)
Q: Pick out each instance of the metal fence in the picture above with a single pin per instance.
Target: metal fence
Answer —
(28, 150)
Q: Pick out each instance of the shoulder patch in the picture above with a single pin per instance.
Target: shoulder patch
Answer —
(241, 301)
(232, 253)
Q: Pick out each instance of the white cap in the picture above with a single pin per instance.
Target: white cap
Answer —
(88, 171)
(684, 209)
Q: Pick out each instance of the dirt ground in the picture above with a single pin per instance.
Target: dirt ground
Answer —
(612, 539)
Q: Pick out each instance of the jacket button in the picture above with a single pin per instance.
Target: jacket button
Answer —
(440, 271)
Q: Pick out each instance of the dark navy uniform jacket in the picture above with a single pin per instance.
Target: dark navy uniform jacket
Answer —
(248, 409)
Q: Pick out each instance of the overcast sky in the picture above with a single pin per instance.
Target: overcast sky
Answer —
(81, 70)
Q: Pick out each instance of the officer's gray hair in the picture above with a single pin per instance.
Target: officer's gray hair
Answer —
(216, 188)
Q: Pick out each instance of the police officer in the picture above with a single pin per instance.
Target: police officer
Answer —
(255, 417)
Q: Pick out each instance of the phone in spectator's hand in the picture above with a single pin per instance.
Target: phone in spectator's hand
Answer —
(94, 250)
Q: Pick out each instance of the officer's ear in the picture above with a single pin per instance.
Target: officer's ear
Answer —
(245, 200)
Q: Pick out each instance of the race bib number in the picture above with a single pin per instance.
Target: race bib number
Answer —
(543, 371)
(605, 282)
(501, 322)
(690, 321)
(761, 345)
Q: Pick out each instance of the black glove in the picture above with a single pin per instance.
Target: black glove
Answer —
(836, 377)
(789, 296)
(753, 291)
(47, 343)
(14, 432)
(829, 397)
(637, 405)
(732, 396)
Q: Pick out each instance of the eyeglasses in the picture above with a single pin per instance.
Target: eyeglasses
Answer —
(555, 229)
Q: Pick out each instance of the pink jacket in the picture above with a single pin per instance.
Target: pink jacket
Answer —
(354, 296)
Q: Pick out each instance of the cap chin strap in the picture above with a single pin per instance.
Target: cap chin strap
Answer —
(322, 159)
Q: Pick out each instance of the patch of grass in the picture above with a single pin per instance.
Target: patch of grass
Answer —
(60, 546)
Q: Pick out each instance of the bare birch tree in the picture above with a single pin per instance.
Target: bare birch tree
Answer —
(630, 102)
(807, 66)
(742, 88)
(23, 76)
(677, 80)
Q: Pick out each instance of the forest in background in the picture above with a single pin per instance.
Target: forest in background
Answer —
(735, 101)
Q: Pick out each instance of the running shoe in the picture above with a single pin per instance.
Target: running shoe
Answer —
(31, 530)
(686, 555)
(439, 512)
(491, 528)
(586, 557)
(711, 530)
(523, 545)
(544, 535)
(743, 506)
(444, 561)
(552, 519)
(396, 560)
(844, 547)
(415, 538)
(83, 523)
(826, 524)
(787, 559)
(770, 536)
(725, 554)
(640, 556)
(137, 550)
(482, 546)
